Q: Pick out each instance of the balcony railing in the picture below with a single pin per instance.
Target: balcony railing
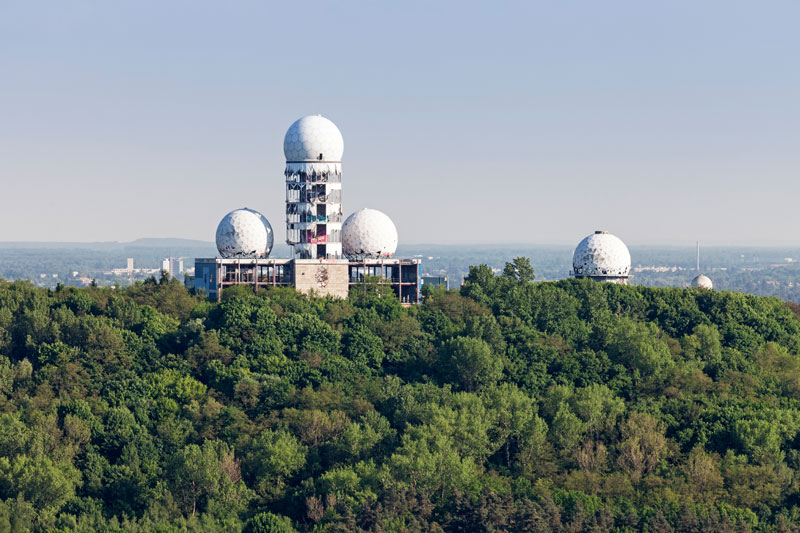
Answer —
(315, 178)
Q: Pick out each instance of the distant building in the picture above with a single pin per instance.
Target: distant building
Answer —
(172, 266)
(703, 282)
(127, 271)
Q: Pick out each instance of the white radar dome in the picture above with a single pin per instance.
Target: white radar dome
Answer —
(601, 254)
(369, 233)
(313, 138)
(702, 282)
(244, 233)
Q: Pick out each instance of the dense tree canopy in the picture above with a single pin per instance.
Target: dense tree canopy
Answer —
(508, 405)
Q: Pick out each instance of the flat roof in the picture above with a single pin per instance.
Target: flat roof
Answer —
(279, 261)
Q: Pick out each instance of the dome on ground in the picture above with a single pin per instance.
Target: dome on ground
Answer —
(244, 233)
(368, 233)
(313, 138)
(702, 282)
(601, 254)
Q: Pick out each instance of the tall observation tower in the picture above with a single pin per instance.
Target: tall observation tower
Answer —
(313, 147)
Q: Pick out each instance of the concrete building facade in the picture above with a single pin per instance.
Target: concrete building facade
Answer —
(323, 277)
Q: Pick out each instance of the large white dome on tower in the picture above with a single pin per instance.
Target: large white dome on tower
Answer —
(702, 282)
(244, 232)
(601, 254)
(313, 138)
(369, 233)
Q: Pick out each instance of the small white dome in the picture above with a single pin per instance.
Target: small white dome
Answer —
(601, 254)
(313, 138)
(702, 282)
(244, 233)
(369, 233)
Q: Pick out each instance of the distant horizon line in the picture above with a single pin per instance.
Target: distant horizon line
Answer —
(633, 243)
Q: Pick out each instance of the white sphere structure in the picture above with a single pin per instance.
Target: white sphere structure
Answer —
(244, 233)
(602, 256)
(369, 233)
(702, 282)
(313, 147)
(313, 138)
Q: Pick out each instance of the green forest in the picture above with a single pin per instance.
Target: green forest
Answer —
(505, 405)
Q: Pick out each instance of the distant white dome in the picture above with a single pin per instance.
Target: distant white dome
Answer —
(244, 233)
(601, 254)
(369, 233)
(313, 138)
(702, 282)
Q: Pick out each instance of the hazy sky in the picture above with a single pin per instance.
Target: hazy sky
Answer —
(529, 122)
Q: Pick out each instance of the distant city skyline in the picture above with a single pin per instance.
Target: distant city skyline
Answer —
(529, 123)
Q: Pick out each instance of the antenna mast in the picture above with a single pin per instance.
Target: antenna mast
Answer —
(698, 256)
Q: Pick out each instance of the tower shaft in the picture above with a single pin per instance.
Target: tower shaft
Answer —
(314, 209)
(313, 147)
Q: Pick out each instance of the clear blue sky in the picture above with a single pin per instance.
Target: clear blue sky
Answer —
(529, 122)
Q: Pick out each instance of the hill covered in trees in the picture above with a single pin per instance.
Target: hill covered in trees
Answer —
(506, 406)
